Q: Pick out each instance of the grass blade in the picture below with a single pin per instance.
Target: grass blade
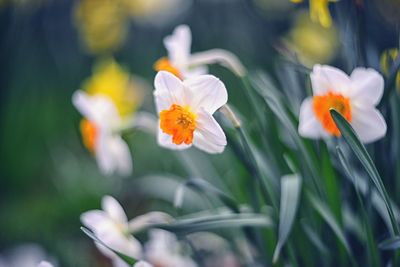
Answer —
(392, 243)
(207, 188)
(359, 149)
(329, 218)
(290, 195)
(215, 222)
(128, 260)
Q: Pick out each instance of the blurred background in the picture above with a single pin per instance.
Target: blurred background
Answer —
(50, 48)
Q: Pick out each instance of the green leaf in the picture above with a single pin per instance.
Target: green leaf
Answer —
(330, 219)
(129, 260)
(371, 244)
(275, 101)
(359, 149)
(392, 243)
(213, 222)
(207, 188)
(290, 195)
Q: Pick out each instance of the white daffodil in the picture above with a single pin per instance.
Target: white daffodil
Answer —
(164, 250)
(355, 97)
(185, 109)
(99, 132)
(178, 47)
(183, 64)
(111, 226)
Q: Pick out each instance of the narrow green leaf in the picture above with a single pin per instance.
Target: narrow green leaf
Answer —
(359, 149)
(392, 243)
(206, 223)
(329, 218)
(206, 188)
(129, 260)
(290, 195)
(274, 99)
(371, 244)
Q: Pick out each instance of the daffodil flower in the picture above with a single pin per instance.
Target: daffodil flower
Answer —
(164, 250)
(185, 109)
(319, 11)
(99, 133)
(355, 97)
(183, 64)
(111, 226)
(178, 46)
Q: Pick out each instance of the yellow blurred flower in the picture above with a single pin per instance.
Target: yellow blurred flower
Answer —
(319, 11)
(387, 60)
(111, 80)
(312, 43)
(102, 24)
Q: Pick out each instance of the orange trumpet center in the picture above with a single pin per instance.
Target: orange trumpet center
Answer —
(89, 134)
(179, 122)
(164, 64)
(321, 106)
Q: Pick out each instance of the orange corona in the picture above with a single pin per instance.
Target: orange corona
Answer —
(323, 103)
(89, 134)
(164, 64)
(179, 122)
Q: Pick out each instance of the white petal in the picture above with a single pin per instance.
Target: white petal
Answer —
(206, 91)
(114, 209)
(117, 241)
(326, 78)
(94, 219)
(208, 135)
(122, 155)
(165, 140)
(104, 157)
(168, 90)
(143, 221)
(309, 126)
(368, 123)
(178, 45)
(142, 264)
(193, 72)
(98, 109)
(45, 264)
(367, 86)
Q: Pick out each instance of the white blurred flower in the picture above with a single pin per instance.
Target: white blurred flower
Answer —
(45, 264)
(110, 225)
(99, 132)
(26, 255)
(164, 250)
(183, 64)
(142, 264)
(186, 108)
(355, 97)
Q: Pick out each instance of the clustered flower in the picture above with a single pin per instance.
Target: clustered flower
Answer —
(186, 98)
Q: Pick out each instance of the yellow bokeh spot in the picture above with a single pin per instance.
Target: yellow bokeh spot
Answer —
(111, 80)
(312, 43)
(319, 11)
(102, 24)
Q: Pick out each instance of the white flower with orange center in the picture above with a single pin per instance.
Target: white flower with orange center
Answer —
(178, 47)
(185, 109)
(111, 226)
(355, 97)
(100, 133)
(183, 64)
